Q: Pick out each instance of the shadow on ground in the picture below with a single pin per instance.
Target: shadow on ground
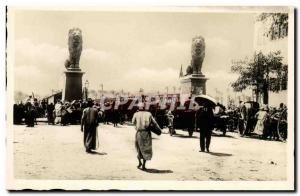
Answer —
(98, 153)
(184, 136)
(219, 154)
(157, 171)
(221, 135)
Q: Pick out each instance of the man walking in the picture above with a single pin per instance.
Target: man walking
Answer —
(89, 124)
(205, 121)
(144, 124)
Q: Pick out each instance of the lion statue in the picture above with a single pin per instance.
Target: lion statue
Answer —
(198, 54)
(75, 48)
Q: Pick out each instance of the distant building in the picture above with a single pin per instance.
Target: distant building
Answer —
(54, 97)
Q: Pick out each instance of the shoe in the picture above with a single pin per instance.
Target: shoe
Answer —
(207, 150)
(139, 166)
(144, 168)
(88, 151)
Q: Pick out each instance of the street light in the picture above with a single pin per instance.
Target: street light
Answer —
(86, 86)
(101, 86)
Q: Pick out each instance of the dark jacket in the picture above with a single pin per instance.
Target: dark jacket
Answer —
(205, 119)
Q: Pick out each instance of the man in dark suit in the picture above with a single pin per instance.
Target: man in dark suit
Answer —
(205, 122)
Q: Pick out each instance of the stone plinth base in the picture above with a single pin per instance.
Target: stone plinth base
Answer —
(194, 84)
(73, 86)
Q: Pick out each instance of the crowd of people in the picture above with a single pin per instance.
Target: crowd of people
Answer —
(248, 119)
(262, 121)
(61, 113)
(251, 119)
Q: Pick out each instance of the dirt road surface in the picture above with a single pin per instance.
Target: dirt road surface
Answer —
(57, 153)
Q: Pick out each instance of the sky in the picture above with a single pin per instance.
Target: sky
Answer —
(127, 50)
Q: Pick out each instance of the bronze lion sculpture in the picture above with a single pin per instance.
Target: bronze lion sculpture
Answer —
(75, 48)
(198, 54)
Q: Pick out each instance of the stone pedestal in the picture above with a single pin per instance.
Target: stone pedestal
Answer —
(73, 85)
(194, 84)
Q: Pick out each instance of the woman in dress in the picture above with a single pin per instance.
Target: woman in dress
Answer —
(261, 117)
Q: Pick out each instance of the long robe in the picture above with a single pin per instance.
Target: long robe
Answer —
(89, 121)
(260, 124)
(143, 139)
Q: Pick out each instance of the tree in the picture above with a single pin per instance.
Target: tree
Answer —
(263, 73)
(276, 23)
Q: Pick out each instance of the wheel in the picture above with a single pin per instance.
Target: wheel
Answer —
(282, 126)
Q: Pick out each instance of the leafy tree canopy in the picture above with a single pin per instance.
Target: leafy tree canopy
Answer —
(264, 72)
(277, 26)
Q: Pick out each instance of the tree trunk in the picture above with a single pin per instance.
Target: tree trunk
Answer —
(257, 96)
(266, 95)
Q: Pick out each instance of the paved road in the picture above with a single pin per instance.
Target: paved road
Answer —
(55, 152)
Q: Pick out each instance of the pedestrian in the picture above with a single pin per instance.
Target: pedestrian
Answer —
(58, 112)
(16, 114)
(65, 114)
(89, 124)
(242, 118)
(115, 116)
(36, 110)
(261, 117)
(50, 117)
(144, 123)
(30, 114)
(170, 119)
(205, 122)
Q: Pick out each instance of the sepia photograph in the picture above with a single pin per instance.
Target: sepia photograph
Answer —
(150, 98)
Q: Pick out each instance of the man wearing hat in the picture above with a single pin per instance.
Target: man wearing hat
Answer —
(89, 124)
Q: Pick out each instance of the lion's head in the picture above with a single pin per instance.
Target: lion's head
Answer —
(75, 36)
(198, 47)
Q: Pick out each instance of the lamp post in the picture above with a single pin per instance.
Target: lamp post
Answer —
(86, 86)
(101, 87)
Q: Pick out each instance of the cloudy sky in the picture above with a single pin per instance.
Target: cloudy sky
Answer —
(127, 50)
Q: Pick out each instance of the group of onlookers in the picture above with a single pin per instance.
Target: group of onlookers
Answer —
(62, 112)
(29, 111)
(262, 121)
